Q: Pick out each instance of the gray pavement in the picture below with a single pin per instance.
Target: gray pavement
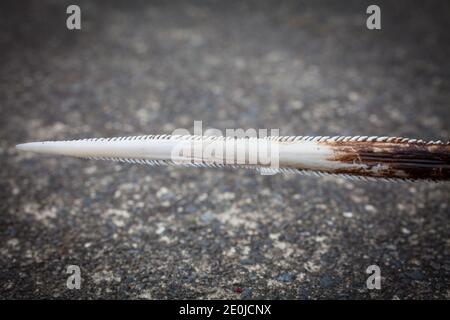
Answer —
(138, 232)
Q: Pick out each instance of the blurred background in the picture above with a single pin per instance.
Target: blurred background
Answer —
(149, 67)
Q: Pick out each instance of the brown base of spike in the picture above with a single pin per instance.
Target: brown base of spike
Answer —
(394, 160)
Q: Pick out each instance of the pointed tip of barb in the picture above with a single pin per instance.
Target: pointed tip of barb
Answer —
(30, 146)
(22, 146)
(46, 147)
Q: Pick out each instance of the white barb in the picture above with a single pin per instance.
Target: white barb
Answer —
(360, 156)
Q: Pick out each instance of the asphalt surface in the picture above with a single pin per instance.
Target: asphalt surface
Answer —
(138, 232)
